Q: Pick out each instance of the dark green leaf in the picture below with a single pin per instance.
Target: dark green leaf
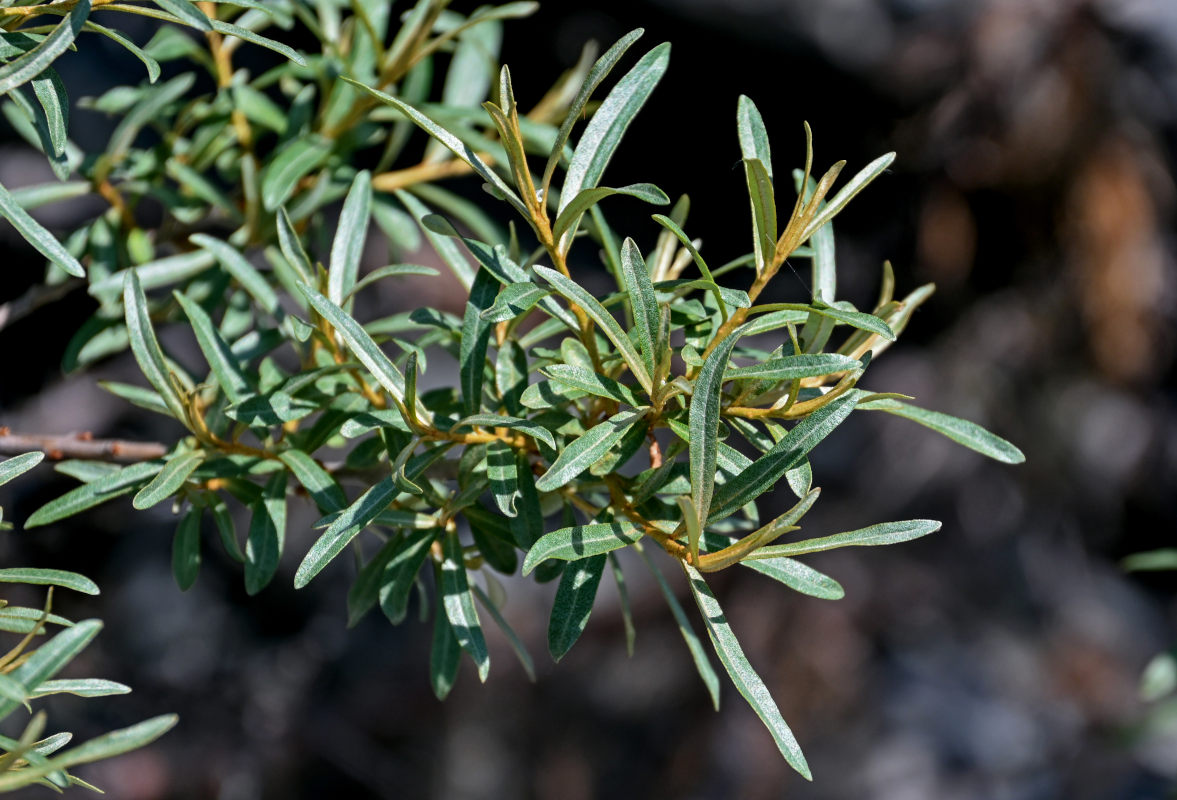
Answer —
(186, 549)
(459, 605)
(290, 164)
(704, 426)
(574, 603)
(512, 638)
(401, 572)
(216, 350)
(267, 534)
(474, 340)
(504, 482)
(444, 655)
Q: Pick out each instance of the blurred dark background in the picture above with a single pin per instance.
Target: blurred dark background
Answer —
(997, 659)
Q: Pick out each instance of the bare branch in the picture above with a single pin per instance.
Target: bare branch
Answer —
(80, 445)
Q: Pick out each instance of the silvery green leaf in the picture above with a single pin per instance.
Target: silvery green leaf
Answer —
(602, 135)
(794, 367)
(763, 474)
(99, 491)
(36, 235)
(580, 454)
(847, 193)
(17, 465)
(587, 198)
(753, 136)
(970, 434)
(319, 484)
(513, 300)
(216, 350)
(48, 659)
(290, 164)
(49, 577)
(703, 420)
(168, 480)
(350, 235)
(746, 681)
(346, 527)
(646, 313)
(575, 293)
(187, 12)
(592, 383)
(764, 229)
(580, 541)
(882, 534)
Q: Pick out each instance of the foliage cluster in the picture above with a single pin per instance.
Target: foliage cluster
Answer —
(652, 417)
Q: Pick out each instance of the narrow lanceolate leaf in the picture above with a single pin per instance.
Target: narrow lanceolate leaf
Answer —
(48, 659)
(600, 70)
(444, 654)
(581, 541)
(36, 235)
(346, 527)
(81, 687)
(49, 577)
(703, 418)
(398, 576)
(348, 244)
(452, 142)
(245, 273)
(847, 193)
(753, 136)
(799, 577)
(591, 382)
(575, 293)
(146, 347)
(17, 465)
(685, 241)
(94, 493)
(138, 52)
(290, 164)
(54, 101)
(587, 448)
(322, 488)
(513, 300)
(970, 434)
(267, 534)
(609, 123)
(215, 349)
(763, 210)
(106, 746)
(186, 550)
(474, 340)
(226, 29)
(574, 603)
(360, 343)
(746, 681)
(646, 313)
(503, 476)
(459, 604)
(29, 65)
(794, 367)
(588, 198)
(698, 654)
(291, 246)
(512, 637)
(857, 319)
(168, 480)
(187, 12)
(788, 453)
(875, 535)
